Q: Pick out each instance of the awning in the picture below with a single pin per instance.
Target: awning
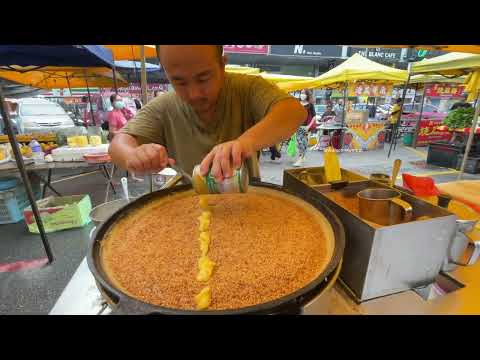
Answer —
(131, 52)
(425, 78)
(471, 49)
(355, 68)
(52, 77)
(454, 63)
(127, 64)
(55, 55)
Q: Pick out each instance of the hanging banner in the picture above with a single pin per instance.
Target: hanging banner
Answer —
(444, 90)
(247, 49)
(369, 89)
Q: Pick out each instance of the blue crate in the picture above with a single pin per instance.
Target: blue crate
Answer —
(14, 201)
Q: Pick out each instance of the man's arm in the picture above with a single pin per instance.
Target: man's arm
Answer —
(139, 159)
(135, 146)
(280, 123)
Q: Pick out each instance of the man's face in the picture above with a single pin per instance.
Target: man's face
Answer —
(329, 108)
(195, 72)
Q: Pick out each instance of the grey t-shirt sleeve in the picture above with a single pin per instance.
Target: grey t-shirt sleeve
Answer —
(148, 124)
(262, 96)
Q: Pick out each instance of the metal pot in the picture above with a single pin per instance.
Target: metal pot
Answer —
(459, 245)
(291, 303)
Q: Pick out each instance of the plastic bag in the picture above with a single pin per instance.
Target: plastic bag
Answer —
(292, 146)
(420, 185)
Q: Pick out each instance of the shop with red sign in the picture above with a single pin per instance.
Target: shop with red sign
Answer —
(444, 90)
(247, 49)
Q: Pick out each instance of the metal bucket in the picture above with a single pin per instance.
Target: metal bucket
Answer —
(101, 213)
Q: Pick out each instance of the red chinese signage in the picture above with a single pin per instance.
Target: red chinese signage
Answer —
(444, 90)
(247, 49)
(431, 131)
(369, 89)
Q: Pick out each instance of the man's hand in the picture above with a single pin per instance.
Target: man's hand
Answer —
(226, 158)
(148, 158)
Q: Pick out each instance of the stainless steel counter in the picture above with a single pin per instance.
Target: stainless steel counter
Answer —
(81, 297)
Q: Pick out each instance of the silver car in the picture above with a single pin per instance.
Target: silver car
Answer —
(36, 115)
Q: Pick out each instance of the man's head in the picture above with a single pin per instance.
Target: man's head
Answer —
(196, 72)
(329, 107)
(398, 101)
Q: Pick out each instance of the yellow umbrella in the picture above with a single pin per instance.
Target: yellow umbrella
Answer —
(454, 63)
(52, 77)
(355, 68)
(425, 78)
(131, 52)
(241, 69)
(473, 85)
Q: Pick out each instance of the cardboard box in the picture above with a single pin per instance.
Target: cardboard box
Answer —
(60, 213)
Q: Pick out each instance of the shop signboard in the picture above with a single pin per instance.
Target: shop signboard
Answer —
(247, 49)
(444, 90)
(361, 88)
(429, 130)
(330, 51)
(388, 54)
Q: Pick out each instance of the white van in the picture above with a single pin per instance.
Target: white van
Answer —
(36, 115)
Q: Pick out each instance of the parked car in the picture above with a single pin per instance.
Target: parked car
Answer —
(383, 111)
(429, 112)
(35, 115)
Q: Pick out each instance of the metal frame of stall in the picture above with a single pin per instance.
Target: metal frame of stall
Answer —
(21, 165)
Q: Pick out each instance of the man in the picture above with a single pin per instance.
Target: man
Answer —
(213, 118)
(393, 119)
(461, 104)
(395, 112)
(328, 112)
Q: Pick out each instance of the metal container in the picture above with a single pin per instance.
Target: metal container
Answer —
(315, 177)
(383, 206)
(383, 260)
(238, 183)
(382, 178)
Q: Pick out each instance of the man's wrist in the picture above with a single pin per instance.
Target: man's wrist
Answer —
(248, 144)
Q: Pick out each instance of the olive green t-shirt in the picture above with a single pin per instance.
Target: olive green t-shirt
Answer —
(169, 121)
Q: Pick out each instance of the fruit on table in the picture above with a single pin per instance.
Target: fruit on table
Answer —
(26, 151)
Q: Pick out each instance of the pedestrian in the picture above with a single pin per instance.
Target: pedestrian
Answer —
(119, 116)
(303, 130)
(138, 104)
(393, 120)
(213, 118)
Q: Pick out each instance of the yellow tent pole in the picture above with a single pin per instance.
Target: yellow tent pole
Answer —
(89, 100)
(115, 85)
(143, 79)
(417, 125)
(68, 83)
(344, 113)
(393, 142)
(470, 136)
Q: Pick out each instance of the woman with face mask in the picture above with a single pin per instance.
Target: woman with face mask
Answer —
(118, 117)
(302, 132)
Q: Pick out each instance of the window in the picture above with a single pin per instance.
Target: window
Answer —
(41, 109)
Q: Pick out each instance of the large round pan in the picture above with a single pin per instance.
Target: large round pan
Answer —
(291, 303)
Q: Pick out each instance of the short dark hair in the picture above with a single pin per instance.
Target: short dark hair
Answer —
(399, 100)
(112, 98)
(218, 48)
